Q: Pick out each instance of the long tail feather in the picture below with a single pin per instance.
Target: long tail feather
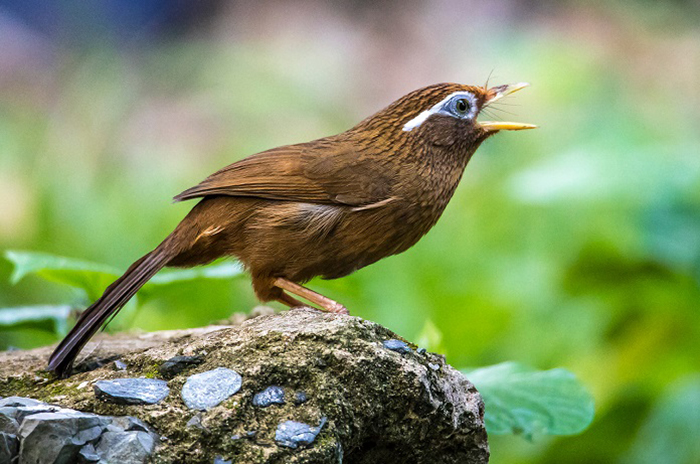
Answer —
(111, 301)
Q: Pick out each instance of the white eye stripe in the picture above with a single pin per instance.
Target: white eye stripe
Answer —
(441, 108)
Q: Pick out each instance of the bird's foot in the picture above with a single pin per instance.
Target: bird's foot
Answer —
(324, 302)
(337, 308)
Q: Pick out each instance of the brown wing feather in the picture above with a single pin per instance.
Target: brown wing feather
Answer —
(325, 171)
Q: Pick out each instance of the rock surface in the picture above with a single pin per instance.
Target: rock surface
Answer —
(365, 403)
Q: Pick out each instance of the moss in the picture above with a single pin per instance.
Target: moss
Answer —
(152, 371)
(17, 386)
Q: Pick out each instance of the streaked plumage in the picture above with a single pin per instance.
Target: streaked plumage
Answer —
(323, 208)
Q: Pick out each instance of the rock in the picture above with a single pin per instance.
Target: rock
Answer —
(14, 409)
(421, 351)
(88, 435)
(51, 434)
(132, 391)
(221, 460)
(129, 424)
(196, 422)
(397, 345)
(17, 401)
(125, 448)
(88, 454)
(248, 434)
(208, 389)
(93, 363)
(382, 406)
(434, 366)
(177, 364)
(300, 398)
(119, 365)
(9, 447)
(8, 424)
(55, 437)
(271, 395)
(293, 434)
(23, 411)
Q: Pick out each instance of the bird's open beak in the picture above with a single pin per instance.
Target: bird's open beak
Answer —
(496, 94)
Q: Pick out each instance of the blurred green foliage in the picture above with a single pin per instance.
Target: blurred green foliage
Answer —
(576, 245)
(518, 400)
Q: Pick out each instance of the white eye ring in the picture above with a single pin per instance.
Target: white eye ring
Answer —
(445, 107)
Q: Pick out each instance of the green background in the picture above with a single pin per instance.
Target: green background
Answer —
(576, 245)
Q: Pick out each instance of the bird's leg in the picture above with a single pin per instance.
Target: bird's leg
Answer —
(289, 300)
(324, 302)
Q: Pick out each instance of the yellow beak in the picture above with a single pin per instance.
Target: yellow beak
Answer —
(498, 93)
(503, 125)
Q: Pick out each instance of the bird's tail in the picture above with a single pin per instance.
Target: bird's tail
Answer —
(111, 301)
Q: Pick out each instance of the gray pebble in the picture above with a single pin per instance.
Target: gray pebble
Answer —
(249, 434)
(397, 345)
(434, 366)
(221, 460)
(177, 364)
(132, 391)
(292, 434)
(208, 389)
(119, 365)
(196, 422)
(300, 398)
(421, 351)
(271, 395)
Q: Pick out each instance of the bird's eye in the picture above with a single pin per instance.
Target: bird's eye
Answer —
(462, 106)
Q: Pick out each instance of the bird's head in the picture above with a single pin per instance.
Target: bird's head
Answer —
(445, 114)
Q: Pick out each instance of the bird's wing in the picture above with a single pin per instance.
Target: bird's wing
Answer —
(319, 172)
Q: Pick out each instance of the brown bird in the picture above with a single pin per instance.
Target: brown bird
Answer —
(323, 208)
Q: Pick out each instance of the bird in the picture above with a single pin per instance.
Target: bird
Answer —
(322, 208)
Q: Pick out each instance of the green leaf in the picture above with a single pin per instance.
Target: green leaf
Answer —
(224, 270)
(93, 278)
(53, 318)
(526, 402)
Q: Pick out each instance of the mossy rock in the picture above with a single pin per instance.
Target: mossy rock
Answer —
(373, 404)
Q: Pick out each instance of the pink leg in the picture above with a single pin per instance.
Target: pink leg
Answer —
(316, 298)
(289, 301)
